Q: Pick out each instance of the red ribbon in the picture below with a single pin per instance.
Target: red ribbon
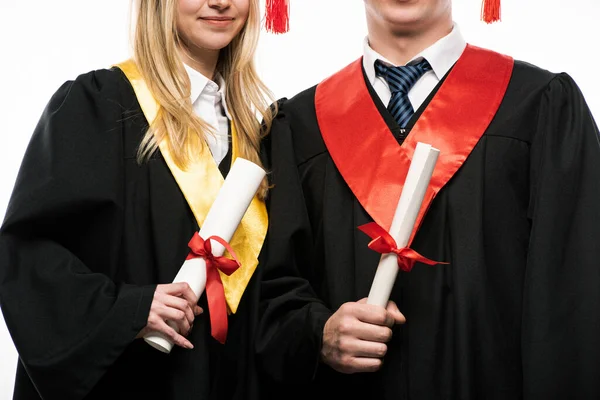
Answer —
(214, 286)
(384, 243)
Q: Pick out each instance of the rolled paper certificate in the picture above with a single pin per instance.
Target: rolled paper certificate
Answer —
(223, 218)
(415, 186)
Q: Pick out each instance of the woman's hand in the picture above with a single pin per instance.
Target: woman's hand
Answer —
(176, 303)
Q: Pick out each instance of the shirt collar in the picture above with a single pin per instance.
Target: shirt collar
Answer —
(441, 55)
(200, 85)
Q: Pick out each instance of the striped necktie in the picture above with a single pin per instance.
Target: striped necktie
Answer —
(401, 80)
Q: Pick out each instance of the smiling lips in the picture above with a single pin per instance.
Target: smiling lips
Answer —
(218, 21)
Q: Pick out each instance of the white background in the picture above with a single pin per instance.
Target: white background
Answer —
(44, 43)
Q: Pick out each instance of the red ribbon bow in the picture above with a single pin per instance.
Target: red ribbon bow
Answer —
(215, 294)
(384, 243)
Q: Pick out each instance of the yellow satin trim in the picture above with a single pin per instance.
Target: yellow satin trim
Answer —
(200, 184)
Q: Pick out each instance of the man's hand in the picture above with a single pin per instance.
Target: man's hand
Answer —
(355, 336)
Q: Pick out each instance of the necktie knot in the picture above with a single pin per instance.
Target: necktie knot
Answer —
(402, 79)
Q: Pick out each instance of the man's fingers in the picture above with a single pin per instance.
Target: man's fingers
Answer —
(393, 310)
(363, 348)
(371, 314)
(363, 364)
(368, 313)
(372, 333)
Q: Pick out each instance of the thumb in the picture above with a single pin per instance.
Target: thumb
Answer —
(392, 308)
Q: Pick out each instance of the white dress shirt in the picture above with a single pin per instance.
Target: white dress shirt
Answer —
(208, 102)
(441, 56)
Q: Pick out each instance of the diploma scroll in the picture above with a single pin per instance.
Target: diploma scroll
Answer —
(417, 180)
(222, 220)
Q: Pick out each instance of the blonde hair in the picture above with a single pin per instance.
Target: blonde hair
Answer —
(156, 45)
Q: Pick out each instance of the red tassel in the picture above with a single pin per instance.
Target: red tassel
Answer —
(277, 16)
(490, 11)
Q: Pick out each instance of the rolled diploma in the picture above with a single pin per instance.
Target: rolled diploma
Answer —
(415, 186)
(223, 218)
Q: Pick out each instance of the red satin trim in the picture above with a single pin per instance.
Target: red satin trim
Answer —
(355, 132)
(384, 243)
(214, 286)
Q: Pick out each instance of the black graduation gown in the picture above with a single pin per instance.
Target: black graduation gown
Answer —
(87, 236)
(516, 312)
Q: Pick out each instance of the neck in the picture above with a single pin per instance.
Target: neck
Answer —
(401, 46)
(202, 60)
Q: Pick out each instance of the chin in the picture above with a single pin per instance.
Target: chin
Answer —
(405, 15)
(409, 19)
(212, 41)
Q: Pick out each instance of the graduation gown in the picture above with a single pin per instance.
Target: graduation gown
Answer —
(515, 314)
(88, 234)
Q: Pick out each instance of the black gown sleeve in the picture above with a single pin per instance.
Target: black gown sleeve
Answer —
(561, 314)
(290, 331)
(60, 242)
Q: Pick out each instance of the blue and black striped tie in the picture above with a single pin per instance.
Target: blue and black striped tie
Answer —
(401, 80)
